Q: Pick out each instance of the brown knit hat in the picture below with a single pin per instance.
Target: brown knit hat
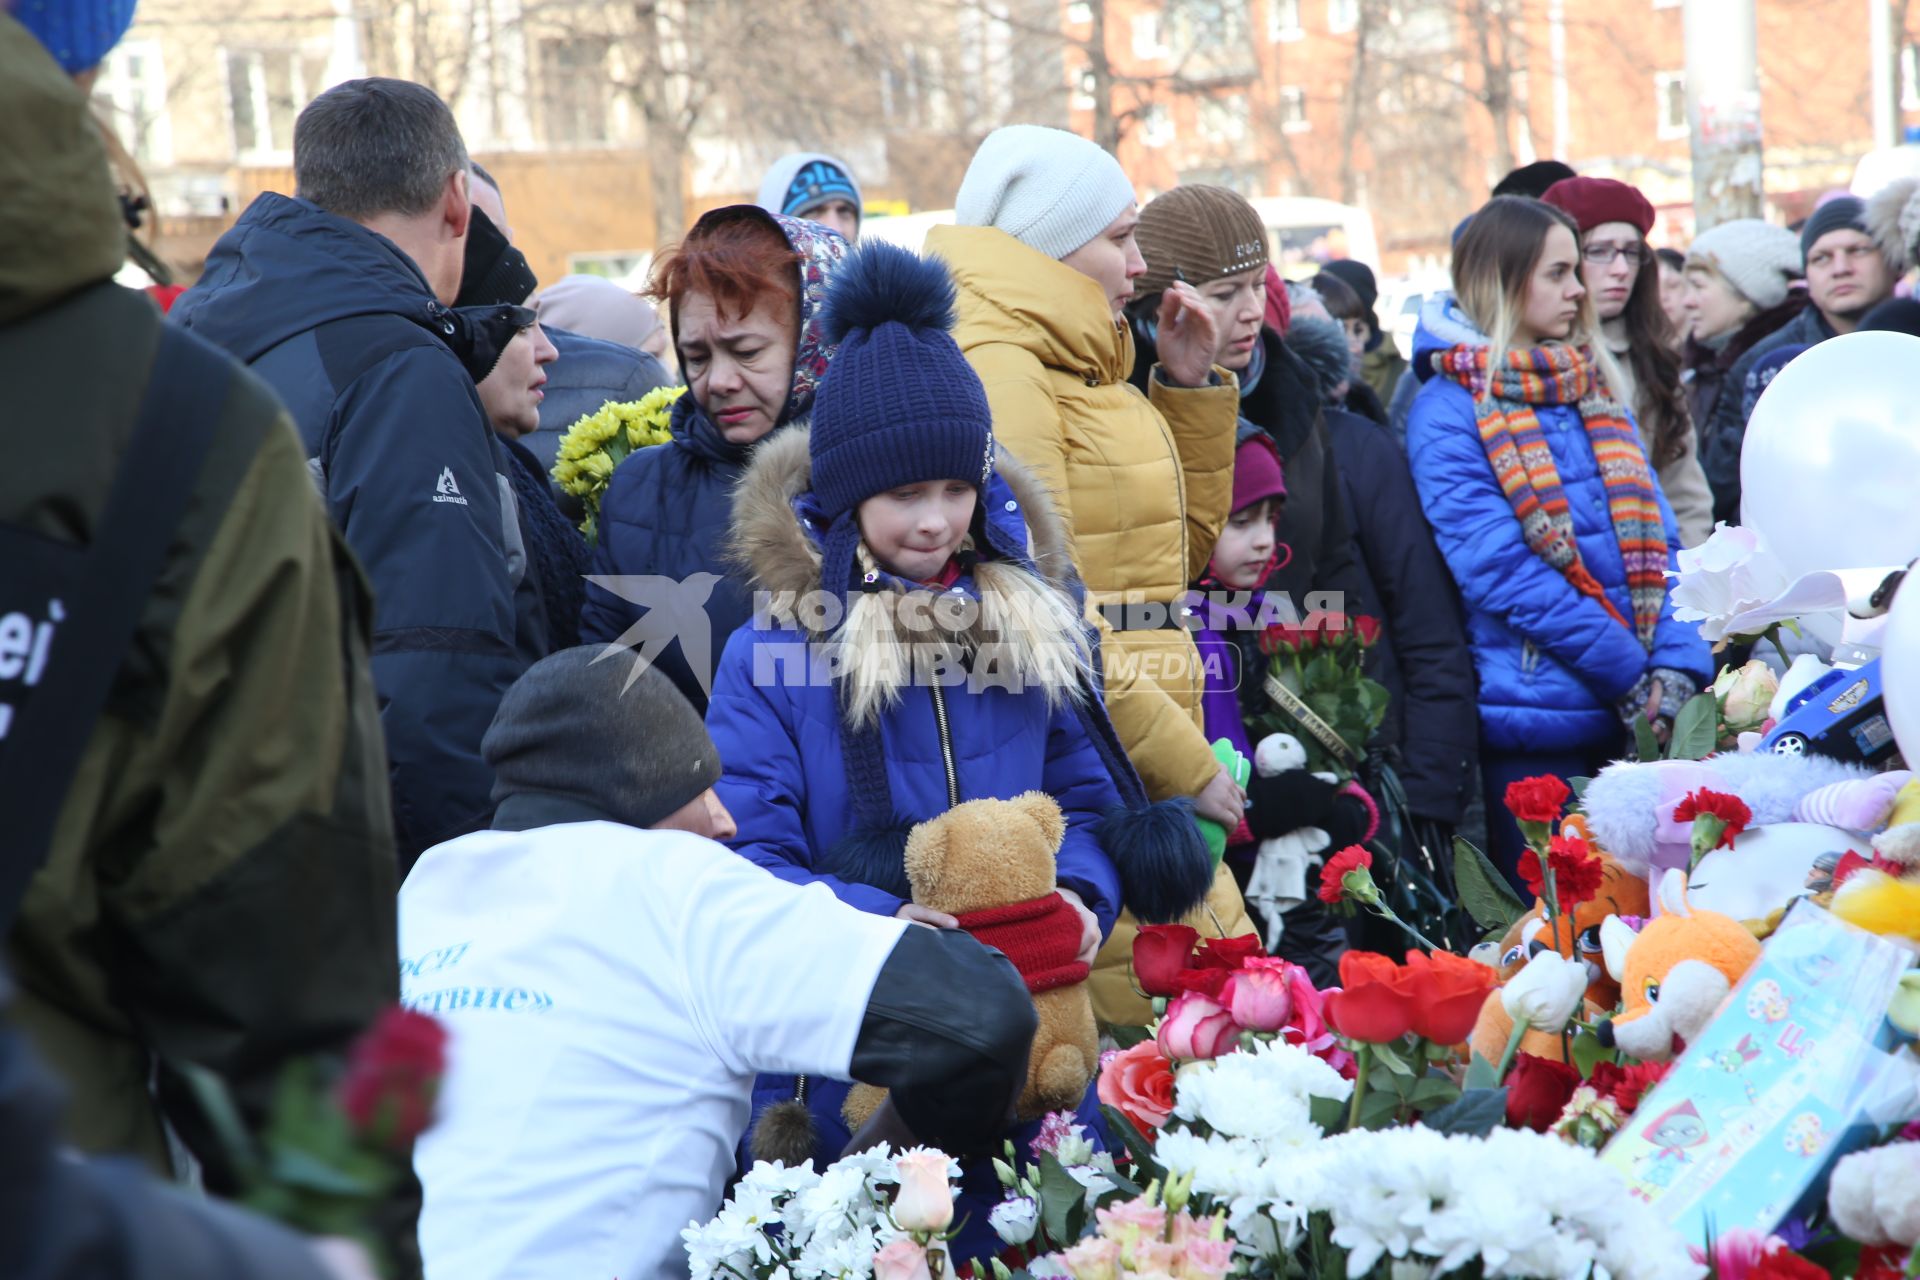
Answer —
(1198, 233)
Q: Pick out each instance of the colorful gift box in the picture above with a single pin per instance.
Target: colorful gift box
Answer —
(1791, 1073)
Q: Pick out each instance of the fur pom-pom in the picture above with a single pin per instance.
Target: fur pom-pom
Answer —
(881, 282)
(877, 857)
(784, 1134)
(1165, 869)
(1893, 220)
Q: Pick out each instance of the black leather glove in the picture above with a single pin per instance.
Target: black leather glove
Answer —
(1288, 801)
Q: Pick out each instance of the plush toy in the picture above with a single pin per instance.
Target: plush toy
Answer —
(989, 864)
(1279, 879)
(1630, 806)
(1673, 973)
(1879, 903)
(1875, 1195)
(1621, 893)
(1900, 842)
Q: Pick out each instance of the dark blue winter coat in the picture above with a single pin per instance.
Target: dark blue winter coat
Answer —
(1423, 658)
(666, 510)
(1552, 663)
(585, 375)
(776, 721)
(345, 328)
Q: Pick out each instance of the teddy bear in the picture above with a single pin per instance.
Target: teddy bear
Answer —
(1673, 973)
(1621, 893)
(990, 865)
(1279, 879)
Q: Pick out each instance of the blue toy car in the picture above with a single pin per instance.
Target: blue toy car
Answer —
(1841, 715)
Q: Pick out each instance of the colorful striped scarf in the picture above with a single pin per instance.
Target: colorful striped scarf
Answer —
(1510, 432)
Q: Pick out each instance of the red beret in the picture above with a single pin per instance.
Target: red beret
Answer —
(1593, 201)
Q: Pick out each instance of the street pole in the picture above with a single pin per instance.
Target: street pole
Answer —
(1723, 110)
(1886, 115)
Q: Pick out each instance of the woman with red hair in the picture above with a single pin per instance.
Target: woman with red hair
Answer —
(743, 294)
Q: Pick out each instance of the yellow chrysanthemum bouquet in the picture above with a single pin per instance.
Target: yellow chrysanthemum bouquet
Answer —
(595, 445)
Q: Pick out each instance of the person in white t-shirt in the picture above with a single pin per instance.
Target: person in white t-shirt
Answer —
(612, 979)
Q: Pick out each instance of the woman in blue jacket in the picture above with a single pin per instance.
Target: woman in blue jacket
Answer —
(744, 290)
(1542, 502)
(893, 543)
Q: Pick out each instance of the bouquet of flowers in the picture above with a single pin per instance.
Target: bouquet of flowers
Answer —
(1315, 684)
(869, 1214)
(595, 445)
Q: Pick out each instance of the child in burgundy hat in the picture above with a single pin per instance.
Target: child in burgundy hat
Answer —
(1233, 612)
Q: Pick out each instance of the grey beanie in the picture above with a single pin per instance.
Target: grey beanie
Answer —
(1842, 213)
(1047, 188)
(1757, 258)
(572, 729)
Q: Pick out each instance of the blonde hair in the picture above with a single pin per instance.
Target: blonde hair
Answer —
(1493, 266)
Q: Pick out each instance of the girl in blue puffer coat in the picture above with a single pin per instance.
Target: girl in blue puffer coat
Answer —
(1541, 500)
(916, 644)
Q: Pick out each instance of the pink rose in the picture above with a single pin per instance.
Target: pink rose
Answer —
(1261, 999)
(1196, 1028)
(1150, 1219)
(925, 1202)
(1138, 1083)
(1154, 1257)
(1091, 1259)
(901, 1260)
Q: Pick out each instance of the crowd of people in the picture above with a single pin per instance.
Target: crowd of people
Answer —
(1015, 514)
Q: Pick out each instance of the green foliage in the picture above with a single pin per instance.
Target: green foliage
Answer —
(1476, 1112)
(1484, 892)
(1696, 729)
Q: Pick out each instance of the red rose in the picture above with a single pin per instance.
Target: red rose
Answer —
(1731, 810)
(1368, 630)
(1538, 799)
(1160, 952)
(1448, 991)
(1333, 889)
(1282, 638)
(1228, 953)
(392, 1077)
(1138, 1083)
(1626, 1085)
(1373, 1003)
(1785, 1264)
(1208, 982)
(1882, 1262)
(1537, 1091)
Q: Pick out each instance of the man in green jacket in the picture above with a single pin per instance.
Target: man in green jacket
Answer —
(220, 884)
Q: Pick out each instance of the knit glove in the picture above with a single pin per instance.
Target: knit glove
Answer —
(1632, 705)
(1677, 688)
(1288, 801)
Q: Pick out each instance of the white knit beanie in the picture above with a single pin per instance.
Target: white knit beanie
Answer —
(1757, 258)
(1047, 188)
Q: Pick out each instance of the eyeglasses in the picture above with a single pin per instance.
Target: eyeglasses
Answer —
(1603, 254)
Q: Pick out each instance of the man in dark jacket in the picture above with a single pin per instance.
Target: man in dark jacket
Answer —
(219, 885)
(337, 297)
(1847, 277)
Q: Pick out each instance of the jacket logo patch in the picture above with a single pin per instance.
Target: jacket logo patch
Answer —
(445, 490)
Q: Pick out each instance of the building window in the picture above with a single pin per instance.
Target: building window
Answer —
(1283, 20)
(1080, 13)
(1670, 98)
(266, 88)
(1083, 91)
(1156, 125)
(1225, 120)
(1910, 77)
(574, 100)
(1293, 109)
(1148, 44)
(1342, 15)
(133, 86)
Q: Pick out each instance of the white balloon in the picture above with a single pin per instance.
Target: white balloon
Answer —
(1766, 867)
(1828, 465)
(1900, 668)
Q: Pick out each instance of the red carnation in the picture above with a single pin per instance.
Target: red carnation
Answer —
(1730, 810)
(1538, 799)
(393, 1076)
(1537, 1091)
(1627, 1085)
(1577, 873)
(1160, 952)
(1333, 887)
(1785, 1264)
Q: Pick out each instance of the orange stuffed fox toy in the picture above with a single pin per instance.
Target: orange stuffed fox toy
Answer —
(1621, 894)
(1674, 974)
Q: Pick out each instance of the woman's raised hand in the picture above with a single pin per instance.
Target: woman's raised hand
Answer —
(1188, 338)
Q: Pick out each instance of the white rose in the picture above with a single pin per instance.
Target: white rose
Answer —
(1545, 993)
(1746, 695)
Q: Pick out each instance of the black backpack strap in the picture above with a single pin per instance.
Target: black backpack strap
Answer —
(104, 599)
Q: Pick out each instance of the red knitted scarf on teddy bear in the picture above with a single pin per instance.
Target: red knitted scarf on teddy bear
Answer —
(1041, 936)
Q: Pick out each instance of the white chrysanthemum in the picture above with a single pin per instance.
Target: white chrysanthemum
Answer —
(1264, 1093)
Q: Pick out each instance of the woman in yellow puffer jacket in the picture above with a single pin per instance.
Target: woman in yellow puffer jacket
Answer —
(1044, 260)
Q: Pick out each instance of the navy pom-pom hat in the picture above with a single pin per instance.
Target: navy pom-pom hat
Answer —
(900, 404)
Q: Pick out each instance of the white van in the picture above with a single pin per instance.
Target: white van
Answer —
(1304, 233)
